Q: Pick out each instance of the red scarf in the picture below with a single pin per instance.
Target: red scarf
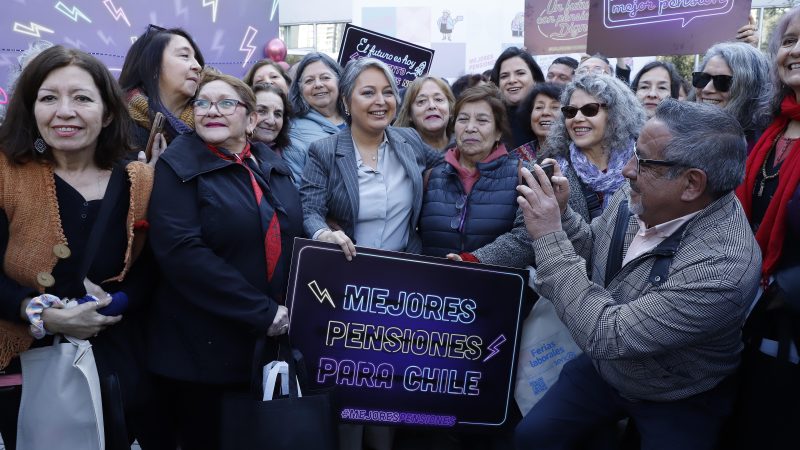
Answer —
(269, 217)
(771, 232)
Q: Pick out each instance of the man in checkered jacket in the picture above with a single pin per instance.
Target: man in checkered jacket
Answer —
(674, 270)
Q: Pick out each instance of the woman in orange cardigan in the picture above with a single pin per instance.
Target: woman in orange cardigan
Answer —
(61, 145)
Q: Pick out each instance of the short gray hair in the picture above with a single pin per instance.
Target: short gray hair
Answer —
(354, 69)
(300, 106)
(705, 137)
(751, 90)
(780, 89)
(626, 115)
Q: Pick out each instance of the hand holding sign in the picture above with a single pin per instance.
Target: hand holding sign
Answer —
(747, 33)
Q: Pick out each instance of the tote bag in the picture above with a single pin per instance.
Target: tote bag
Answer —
(61, 407)
(545, 347)
(291, 422)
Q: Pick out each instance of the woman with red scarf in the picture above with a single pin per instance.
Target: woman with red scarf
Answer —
(226, 212)
(771, 198)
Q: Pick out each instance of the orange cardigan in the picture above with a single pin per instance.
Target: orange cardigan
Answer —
(28, 197)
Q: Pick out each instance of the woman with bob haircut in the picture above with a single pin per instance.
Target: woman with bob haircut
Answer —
(318, 110)
(428, 108)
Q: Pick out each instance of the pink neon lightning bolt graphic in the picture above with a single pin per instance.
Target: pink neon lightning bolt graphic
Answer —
(247, 44)
(116, 12)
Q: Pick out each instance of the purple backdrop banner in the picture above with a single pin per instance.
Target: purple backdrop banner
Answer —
(408, 61)
(407, 340)
(662, 27)
(231, 34)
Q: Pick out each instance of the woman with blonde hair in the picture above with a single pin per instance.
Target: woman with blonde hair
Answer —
(428, 108)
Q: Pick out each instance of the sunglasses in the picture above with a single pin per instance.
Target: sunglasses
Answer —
(588, 110)
(722, 83)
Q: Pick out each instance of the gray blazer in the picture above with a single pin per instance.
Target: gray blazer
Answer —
(329, 188)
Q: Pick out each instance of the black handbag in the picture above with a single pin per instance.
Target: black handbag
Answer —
(289, 422)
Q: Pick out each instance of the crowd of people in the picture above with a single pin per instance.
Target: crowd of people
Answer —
(665, 237)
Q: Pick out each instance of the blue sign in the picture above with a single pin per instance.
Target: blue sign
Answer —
(408, 61)
(407, 340)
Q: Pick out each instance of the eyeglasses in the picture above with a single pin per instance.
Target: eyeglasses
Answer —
(588, 110)
(457, 222)
(226, 106)
(652, 162)
(722, 83)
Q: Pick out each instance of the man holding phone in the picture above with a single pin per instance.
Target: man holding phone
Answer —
(674, 271)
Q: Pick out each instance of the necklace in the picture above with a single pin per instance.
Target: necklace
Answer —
(764, 176)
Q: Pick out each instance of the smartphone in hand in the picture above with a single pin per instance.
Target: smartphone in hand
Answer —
(158, 127)
(549, 169)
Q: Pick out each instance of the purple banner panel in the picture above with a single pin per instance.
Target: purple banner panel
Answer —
(231, 35)
(407, 340)
(556, 27)
(408, 61)
(662, 27)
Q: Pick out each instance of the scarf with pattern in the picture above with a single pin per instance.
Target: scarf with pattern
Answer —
(607, 182)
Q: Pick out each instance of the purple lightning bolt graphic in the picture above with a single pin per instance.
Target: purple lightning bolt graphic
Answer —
(493, 347)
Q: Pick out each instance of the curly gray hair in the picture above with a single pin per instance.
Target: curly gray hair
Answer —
(625, 114)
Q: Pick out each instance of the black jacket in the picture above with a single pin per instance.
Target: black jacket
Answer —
(214, 299)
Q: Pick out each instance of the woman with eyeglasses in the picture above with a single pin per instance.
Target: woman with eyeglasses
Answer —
(224, 213)
(318, 111)
(273, 110)
(161, 74)
(735, 76)
(770, 196)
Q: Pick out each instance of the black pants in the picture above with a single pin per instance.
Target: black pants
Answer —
(186, 414)
(581, 402)
(9, 410)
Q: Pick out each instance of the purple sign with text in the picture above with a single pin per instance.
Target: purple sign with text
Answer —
(408, 61)
(231, 35)
(662, 27)
(407, 340)
(556, 26)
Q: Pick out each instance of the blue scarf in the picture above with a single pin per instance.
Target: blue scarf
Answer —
(607, 182)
